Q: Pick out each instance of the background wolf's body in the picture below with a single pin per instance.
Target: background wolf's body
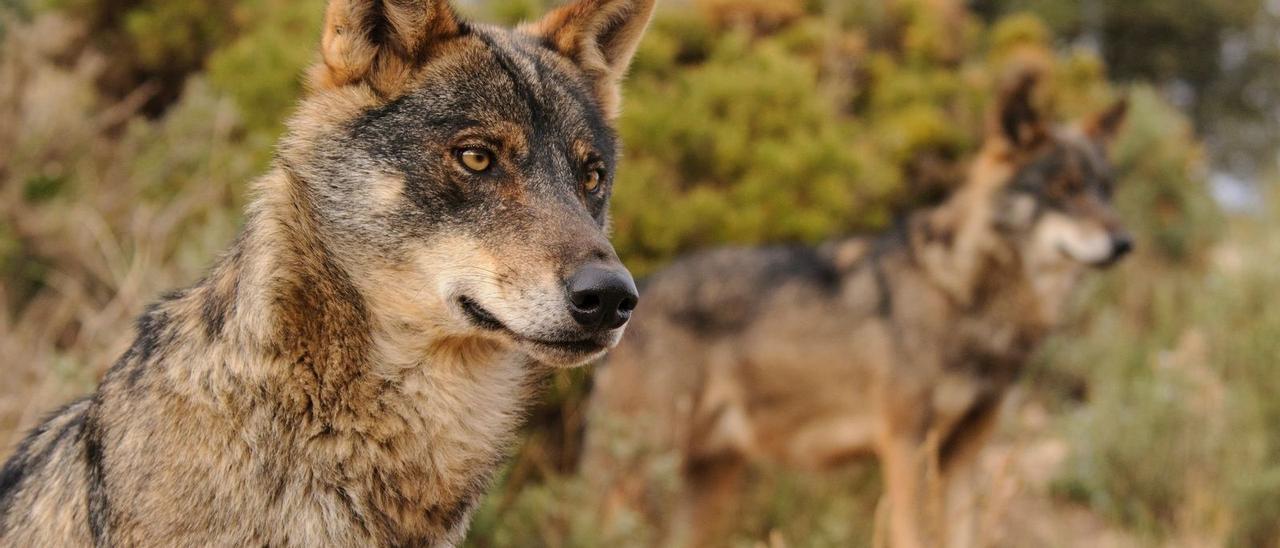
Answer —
(899, 345)
(809, 359)
(352, 370)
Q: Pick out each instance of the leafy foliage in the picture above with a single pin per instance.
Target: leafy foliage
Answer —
(1217, 58)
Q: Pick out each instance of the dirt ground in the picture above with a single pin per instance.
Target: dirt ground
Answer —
(1019, 508)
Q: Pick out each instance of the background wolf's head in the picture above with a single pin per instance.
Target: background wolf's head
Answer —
(1038, 197)
(1057, 200)
(462, 172)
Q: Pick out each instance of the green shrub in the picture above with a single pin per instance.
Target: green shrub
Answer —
(739, 148)
(262, 68)
(1165, 197)
(1179, 435)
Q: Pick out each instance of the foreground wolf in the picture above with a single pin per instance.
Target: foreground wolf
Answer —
(899, 345)
(428, 243)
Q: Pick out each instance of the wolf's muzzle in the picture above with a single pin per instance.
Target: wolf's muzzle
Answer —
(1121, 245)
(601, 297)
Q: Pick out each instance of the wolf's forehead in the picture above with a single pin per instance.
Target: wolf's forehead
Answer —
(1065, 163)
(1085, 150)
(543, 89)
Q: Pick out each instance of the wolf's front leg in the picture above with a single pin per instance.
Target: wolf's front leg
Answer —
(709, 503)
(913, 501)
(962, 480)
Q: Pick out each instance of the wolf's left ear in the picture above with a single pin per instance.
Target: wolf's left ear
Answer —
(380, 42)
(1104, 126)
(1016, 120)
(600, 36)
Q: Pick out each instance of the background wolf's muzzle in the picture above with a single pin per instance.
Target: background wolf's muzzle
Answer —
(1121, 245)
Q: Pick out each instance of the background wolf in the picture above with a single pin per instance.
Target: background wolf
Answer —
(351, 371)
(900, 345)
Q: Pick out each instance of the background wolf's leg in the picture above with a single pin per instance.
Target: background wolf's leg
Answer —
(960, 474)
(906, 469)
(709, 501)
(963, 494)
(880, 533)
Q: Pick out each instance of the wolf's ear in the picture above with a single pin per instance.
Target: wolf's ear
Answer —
(1016, 120)
(380, 42)
(600, 36)
(1104, 126)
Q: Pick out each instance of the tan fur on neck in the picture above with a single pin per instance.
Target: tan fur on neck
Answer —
(967, 217)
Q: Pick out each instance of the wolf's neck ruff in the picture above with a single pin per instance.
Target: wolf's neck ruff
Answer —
(961, 250)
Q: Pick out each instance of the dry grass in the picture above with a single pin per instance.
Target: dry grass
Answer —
(98, 213)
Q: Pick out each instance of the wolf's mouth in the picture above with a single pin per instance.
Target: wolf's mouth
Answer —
(479, 316)
(486, 320)
(1101, 264)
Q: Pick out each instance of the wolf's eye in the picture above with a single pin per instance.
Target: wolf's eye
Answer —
(477, 160)
(592, 183)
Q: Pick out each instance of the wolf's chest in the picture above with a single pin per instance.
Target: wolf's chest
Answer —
(413, 467)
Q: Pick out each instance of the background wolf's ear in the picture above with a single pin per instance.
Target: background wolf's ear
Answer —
(1104, 126)
(600, 36)
(1016, 119)
(380, 42)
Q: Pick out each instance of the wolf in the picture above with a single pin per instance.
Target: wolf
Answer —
(428, 244)
(898, 345)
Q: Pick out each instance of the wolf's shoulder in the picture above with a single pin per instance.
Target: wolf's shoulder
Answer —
(60, 430)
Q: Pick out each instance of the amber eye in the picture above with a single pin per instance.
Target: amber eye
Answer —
(594, 178)
(477, 160)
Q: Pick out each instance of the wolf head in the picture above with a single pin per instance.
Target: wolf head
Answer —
(1056, 200)
(461, 173)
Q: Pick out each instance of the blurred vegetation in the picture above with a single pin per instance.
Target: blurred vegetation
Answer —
(1179, 435)
(1216, 58)
(130, 129)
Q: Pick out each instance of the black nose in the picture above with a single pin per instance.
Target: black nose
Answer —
(1121, 245)
(602, 297)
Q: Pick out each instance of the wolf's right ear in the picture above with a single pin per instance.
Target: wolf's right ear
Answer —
(600, 36)
(1104, 126)
(380, 42)
(1016, 119)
